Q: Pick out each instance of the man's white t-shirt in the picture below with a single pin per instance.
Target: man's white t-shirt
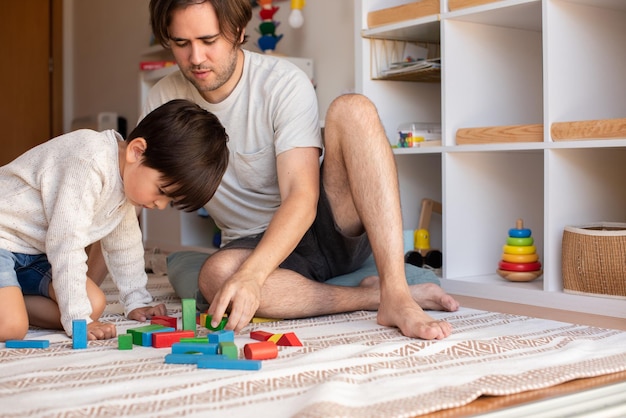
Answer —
(272, 109)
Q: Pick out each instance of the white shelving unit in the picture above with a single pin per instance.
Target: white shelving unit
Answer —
(507, 63)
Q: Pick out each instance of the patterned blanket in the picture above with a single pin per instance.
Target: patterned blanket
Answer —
(348, 366)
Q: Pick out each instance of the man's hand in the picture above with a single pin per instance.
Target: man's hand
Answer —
(243, 295)
(147, 312)
(97, 330)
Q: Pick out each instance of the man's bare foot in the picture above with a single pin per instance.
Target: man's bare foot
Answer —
(427, 295)
(412, 321)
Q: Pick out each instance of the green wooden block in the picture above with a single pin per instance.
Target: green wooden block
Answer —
(195, 340)
(189, 314)
(125, 342)
(219, 327)
(229, 349)
(138, 332)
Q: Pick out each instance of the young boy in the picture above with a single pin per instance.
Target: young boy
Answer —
(82, 187)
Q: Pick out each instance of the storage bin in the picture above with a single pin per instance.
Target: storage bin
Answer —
(594, 259)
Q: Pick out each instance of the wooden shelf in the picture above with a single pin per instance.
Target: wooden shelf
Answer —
(589, 129)
(500, 134)
(428, 75)
(462, 4)
(401, 13)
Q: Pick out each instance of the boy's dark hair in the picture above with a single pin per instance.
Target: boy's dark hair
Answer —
(232, 15)
(187, 146)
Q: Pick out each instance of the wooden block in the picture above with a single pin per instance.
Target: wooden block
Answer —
(167, 321)
(79, 334)
(229, 349)
(138, 332)
(589, 129)
(125, 342)
(27, 343)
(221, 336)
(227, 364)
(195, 340)
(403, 12)
(220, 326)
(462, 4)
(191, 348)
(275, 338)
(188, 358)
(500, 134)
(189, 314)
(166, 339)
(260, 335)
(258, 319)
(263, 350)
(146, 337)
(289, 339)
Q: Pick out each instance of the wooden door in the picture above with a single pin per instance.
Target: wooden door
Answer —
(30, 75)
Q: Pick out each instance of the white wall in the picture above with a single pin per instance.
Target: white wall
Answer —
(104, 40)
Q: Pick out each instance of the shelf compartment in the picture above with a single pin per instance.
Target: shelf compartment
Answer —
(403, 12)
(500, 134)
(589, 129)
(385, 53)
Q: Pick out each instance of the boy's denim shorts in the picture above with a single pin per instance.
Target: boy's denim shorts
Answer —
(32, 273)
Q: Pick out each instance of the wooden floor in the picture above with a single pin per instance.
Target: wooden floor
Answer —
(493, 403)
(540, 312)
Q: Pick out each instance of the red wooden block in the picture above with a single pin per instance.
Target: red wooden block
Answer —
(166, 339)
(289, 339)
(263, 350)
(168, 321)
(260, 335)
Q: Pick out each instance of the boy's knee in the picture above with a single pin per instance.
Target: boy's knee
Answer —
(13, 330)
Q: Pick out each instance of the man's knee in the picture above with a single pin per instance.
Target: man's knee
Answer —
(350, 104)
(211, 277)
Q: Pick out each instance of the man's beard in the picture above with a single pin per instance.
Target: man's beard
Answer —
(222, 75)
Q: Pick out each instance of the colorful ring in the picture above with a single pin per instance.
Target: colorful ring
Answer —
(520, 258)
(519, 233)
(512, 249)
(520, 241)
(505, 265)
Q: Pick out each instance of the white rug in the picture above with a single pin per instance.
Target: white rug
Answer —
(348, 366)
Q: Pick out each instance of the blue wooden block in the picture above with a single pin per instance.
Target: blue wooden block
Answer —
(212, 363)
(174, 358)
(222, 336)
(27, 343)
(146, 337)
(191, 348)
(79, 333)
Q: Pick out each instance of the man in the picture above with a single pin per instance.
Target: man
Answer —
(288, 224)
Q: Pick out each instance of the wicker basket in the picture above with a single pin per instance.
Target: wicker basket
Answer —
(594, 259)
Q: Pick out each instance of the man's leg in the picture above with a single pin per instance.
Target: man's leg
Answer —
(361, 183)
(287, 294)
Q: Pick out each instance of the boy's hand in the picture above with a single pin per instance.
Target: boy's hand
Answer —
(147, 312)
(100, 331)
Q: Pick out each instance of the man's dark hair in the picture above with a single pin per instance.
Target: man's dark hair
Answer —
(187, 145)
(232, 15)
